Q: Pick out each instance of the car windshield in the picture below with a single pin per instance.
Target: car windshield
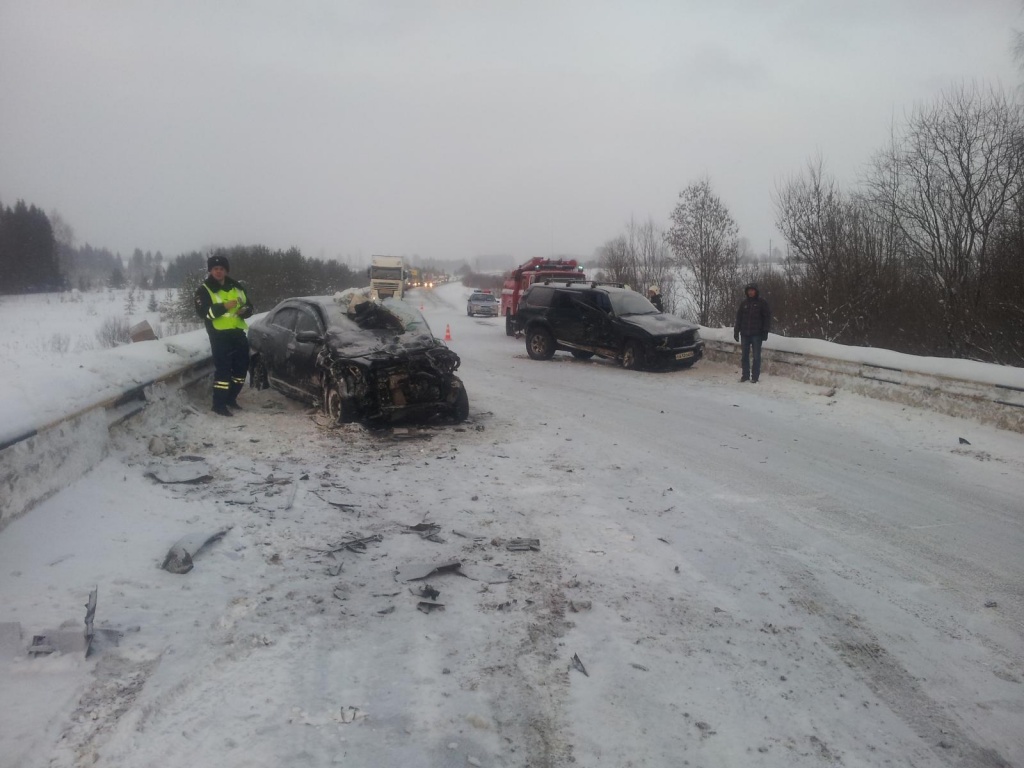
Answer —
(482, 297)
(630, 303)
(411, 321)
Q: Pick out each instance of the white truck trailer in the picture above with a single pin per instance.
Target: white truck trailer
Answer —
(387, 277)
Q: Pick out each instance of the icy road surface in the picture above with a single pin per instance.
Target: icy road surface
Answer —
(750, 576)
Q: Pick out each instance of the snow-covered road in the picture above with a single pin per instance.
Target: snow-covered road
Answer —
(750, 575)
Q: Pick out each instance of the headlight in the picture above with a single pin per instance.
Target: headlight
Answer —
(696, 336)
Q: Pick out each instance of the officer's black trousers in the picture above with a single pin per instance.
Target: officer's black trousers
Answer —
(230, 363)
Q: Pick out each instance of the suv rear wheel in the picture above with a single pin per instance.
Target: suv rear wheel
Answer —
(539, 344)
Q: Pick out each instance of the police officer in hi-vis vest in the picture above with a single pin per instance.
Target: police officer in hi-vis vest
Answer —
(222, 304)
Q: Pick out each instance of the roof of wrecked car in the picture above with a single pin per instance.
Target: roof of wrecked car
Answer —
(358, 326)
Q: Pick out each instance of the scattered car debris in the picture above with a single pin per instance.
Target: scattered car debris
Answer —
(488, 574)
(506, 605)
(465, 535)
(170, 474)
(271, 480)
(405, 433)
(357, 545)
(578, 606)
(523, 545)
(180, 556)
(666, 541)
(991, 604)
(386, 611)
(705, 729)
(351, 714)
(641, 667)
(335, 501)
(474, 571)
(964, 442)
(426, 591)
(64, 640)
(578, 665)
(417, 571)
(426, 531)
(429, 607)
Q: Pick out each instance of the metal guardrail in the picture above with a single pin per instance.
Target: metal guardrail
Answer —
(989, 403)
(41, 461)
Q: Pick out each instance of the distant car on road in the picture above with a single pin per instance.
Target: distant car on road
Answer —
(358, 359)
(482, 303)
(604, 319)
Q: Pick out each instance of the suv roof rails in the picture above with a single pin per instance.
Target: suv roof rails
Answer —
(563, 280)
(595, 283)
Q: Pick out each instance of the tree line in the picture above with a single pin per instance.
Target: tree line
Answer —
(925, 254)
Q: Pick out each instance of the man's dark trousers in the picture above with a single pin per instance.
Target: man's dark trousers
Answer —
(230, 363)
(751, 343)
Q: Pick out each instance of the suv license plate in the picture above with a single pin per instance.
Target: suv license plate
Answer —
(684, 355)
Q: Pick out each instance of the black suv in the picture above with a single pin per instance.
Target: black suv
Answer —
(607, 320)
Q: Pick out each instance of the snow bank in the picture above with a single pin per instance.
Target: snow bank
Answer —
(992, 394)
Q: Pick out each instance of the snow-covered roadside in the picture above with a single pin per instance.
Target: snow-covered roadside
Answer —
(835, 557)
(967, 370)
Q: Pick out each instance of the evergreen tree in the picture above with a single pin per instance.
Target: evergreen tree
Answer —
(117, 279)
(28, 251)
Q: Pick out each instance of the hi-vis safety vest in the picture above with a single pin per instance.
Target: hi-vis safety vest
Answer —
(229, 319)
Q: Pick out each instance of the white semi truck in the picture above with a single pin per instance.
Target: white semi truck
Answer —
(387, 277)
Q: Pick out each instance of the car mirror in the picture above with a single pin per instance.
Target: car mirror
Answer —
(308, 337)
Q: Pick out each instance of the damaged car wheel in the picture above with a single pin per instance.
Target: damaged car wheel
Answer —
(337, 407)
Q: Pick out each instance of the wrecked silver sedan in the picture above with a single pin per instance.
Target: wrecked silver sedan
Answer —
(357, 358)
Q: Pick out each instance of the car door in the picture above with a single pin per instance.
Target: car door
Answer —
(565, 317)
(302, 350)
(598, 329)
(278, 331)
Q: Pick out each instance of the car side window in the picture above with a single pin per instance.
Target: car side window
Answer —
(307, 322)
(563, 300)
(539, 297)
(285, 318)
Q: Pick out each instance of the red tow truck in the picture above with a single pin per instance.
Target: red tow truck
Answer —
(523, 276)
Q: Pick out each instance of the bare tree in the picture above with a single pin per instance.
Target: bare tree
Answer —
(639, 258)
(946, 181)
(841, 263)
(704, 239)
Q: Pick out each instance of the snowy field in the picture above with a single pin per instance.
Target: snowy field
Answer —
(750, 576)
(53, 326)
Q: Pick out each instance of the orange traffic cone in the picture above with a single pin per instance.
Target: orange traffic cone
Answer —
(447, 333)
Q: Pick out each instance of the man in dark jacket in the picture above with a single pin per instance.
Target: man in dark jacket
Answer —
(223, 305)
(753, 319)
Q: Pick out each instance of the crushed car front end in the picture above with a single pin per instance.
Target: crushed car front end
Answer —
(416, 385)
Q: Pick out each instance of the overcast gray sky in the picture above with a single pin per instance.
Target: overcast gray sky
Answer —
(453, 129)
